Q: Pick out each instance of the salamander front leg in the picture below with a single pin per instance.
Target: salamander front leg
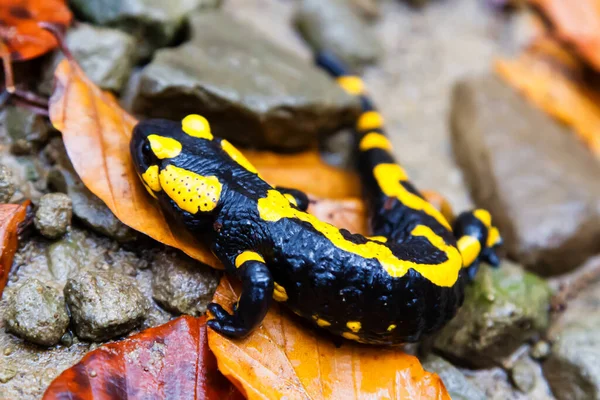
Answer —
(296, 197)
(257, 294)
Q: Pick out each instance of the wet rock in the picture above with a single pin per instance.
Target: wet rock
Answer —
(523, 375)
(26, 130)
(572, 369)
(333, 25)
(540, 350)
(458, 386)
(503, 308)
(182, 285)
(7, 372)
(154, 24)
(7, 188)
(87, 207)
(250, 90)
(53, 216)
(106, 56)
(36, 312)
(64, 259)
(539, 182)
(104, 305)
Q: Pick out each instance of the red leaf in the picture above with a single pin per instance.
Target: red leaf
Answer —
(11, 215)
(171, 361)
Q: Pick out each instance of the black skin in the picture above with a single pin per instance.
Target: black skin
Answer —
(320, 279)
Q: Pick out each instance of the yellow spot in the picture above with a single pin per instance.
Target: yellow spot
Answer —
(350, 336)
(164, 147)
(197, 126)
(190, 191)
(247, 256)
(275, 206)
(352, 84)
(149, 190)
(291, 199)
(151, 178)
(354, 326)
(391, 327)
(483, 216)
(279, 293)
(369, 120)
(388, 178)
(381, 239)
(374, 140)
(237, 156)
(493, 237)
(469, 248)
(322, 323)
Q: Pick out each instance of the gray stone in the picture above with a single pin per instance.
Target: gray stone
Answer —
(154, 23)
(458, 386)
(7, 188)
(37, 313)
(573, 367)
(503, 307)
(106, 56)
(182, 285)
(104, 305)
(26, 130)
(251, 91)
(53, 216)
(333, 25)
(64, 258)
(536, 178)
(87, 207)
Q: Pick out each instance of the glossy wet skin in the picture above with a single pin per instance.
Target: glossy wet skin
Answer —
(404, 282)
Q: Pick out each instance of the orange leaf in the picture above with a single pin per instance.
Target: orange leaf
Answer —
(96, 132)
(307, 172)
(345, 213)
(285, 359)
(19, 26)
(553, 81)
(11, 215)
(171, 361)
(577, 23)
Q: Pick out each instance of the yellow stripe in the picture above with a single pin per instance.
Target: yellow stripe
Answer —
(369, 120)
(352, 84)
(291, 199)
(350, 336)
(247, 255)
(164, 147)
(493, 237)
(151, 178)
(469, 248)
(381, 239)
(237, 156)
(321, 322)
(354, 326)
(196, 126)
(279, 293)
(374, 140)
(483, 216)
(391, 327)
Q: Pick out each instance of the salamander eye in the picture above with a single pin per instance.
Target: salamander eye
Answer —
(147, 154)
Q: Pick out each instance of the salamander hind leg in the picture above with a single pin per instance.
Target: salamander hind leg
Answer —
(477, 239)
(257, 294)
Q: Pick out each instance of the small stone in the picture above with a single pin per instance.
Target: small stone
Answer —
(484, 332)
(106, 56)
(7, 188)
(182, 285)
(252, 91)
(27, 130)
(8, 351)
(523, 376)
(53, 216)
(334, 26)
(154, 23)
(104, 305)
(7, 373)
(523, 167)
(64, 258)
(540, 350)
(455, 381)
(36, 312)
(67, 339)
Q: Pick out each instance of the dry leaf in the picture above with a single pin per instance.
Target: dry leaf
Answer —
(96, 132)
(19, 26)
(307, 172)
(11, 215)
(554, 81)
(285, 359)
(171, 361)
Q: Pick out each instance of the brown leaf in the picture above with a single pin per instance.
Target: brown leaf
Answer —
(11, 215)
(345, 213)
(576, 23)
(96, 132)
(554, 81)
(19, 27)
(171, 361)
(307, 172)
(285, 359)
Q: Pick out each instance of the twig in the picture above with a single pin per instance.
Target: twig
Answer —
(569, 285)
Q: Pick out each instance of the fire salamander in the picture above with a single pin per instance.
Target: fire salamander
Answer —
(405, 281)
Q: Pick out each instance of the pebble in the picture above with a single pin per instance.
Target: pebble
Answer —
(53, 216)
